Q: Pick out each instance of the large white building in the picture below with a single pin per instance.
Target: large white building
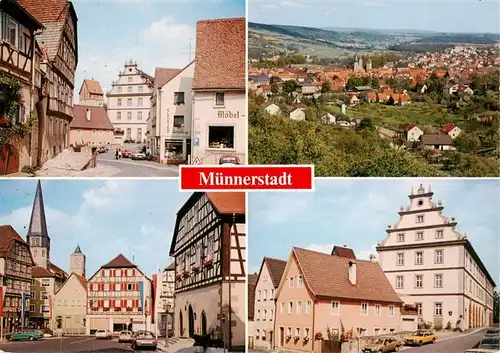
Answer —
(165, 301)
(430, 264)
(169, 130)
(219, 105)
(128, 103)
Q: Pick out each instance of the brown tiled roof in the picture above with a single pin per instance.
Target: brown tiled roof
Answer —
(37, 272)
(164, 75)
(252, 283)
(93, 87)
(276, 268)
(82, 280)
(343, 252)
(8, 236)
(98, 118)
(228, 202)
(220, 54)
(119, 261)
(433, 139)
(57, 270)
(170, 267)
(327, 276)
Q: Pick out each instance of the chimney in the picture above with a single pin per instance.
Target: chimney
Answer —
(372, 257)
(87, 114)
(352, 272)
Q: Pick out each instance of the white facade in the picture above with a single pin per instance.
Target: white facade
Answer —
(455, 132)
(298, 114)
(171, 116)
(219, 126)
(264, 310)
(129, 103)
(165, 301)
(414, 134)
(432, 265)
(273, 109)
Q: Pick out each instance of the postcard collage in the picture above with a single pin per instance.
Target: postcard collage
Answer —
(262, 176)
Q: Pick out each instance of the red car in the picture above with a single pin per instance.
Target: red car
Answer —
(126, 154)
(231, 160)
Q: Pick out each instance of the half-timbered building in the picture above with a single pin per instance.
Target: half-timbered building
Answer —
(165, 302)
(19, 61)
(15, 277)
(210, 258)
(119, 297)
(59, 47)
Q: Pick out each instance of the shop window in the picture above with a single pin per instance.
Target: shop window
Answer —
(221, 136)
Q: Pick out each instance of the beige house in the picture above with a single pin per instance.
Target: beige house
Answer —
(272, 108)
(128, 103)
(219, 92)
(165, 301)
(298, 113)
(430, 264)
(252, 282)
(413, 133)
(91, 93)
(171, 115)
(268, 281)
(70, 306)
(90, 126)
(210, 283)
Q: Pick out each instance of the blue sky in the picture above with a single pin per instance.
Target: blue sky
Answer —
(104, 217)
(356, 213)
(152, 32)
(440, 15)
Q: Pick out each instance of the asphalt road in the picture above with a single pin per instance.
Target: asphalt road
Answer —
(67, 345)
(130, 168)
(455, 344)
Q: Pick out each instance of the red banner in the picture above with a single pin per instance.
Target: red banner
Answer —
(251, 177)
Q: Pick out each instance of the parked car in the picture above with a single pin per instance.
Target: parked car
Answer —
(102, 149)
(482, 350)
(492, 332)
(126, 154)
(490, 342)
(229, 160)
(138, 156)
(419, 338)
(103, 334)
(144, 339)
(25, 335)
(383, 345)
(125, 336)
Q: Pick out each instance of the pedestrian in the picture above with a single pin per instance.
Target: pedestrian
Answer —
(116, 153)
(148, 154)
(119, 154)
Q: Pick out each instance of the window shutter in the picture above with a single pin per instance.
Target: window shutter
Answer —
(91, 303)
(133, 273)
(102, 273)
(91, 287)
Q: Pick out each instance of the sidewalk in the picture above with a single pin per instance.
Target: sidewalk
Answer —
(162, 348)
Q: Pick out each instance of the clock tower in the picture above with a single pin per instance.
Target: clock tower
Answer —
(38, 237)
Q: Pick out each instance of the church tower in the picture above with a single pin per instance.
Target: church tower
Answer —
(77, 262)
(38, 236)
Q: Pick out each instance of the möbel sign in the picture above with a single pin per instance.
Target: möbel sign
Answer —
(226, 114)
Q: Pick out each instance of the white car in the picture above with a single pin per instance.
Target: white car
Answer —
(125, 336)
(103, 334)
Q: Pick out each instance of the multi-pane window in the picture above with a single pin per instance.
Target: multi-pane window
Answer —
(419, 236)
(259, 294)
(438, 280)
(129, 102)
(139, 102)
(282, 307)
(439, 234)
(265, 315)
(419, 309)
(419, 282)
(399, 282)
(335, 307)
(129, 89)
(271, 314)
(129, 79)
(377, 309)
(129, 115)
(219, 98)
(364, 308)
(119, 102)
(299, 282)
(308, 307)
(139, 115)
(391, 310)
(400, 259)
(140, 88)
(438, 309)
(265, 294)
(178, 97)
(119, 116)
(290, 307)
(299, 307)
(401, 238)
(438, 256)
(291, 282)
(420, 219)
(419, 258)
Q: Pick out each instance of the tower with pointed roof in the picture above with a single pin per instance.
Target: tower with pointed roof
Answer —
(38, 236)
(77, 262)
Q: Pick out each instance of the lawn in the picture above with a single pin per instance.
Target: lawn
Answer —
(399, 116)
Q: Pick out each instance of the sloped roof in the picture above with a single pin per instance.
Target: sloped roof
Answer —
(37, 272)
(327, 276)
(57, 270)
(38, 223)
(77, 250)
(164, 75)
(343, 252)
(99, 119)
(433, 139)
(170, 267)
(228, 202)
(252, 283)
(276, 268)
(93, 86)
(119, 261)
(8, 236)
(448, 127)
(79, 278)
(220, 54)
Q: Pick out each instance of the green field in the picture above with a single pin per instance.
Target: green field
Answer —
(422, 114)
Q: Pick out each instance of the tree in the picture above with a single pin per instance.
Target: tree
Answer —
(467, 143)
(326, 87)
(289, 86)
(365, 124)
(275, 88)
(496, 308)
(375, 83)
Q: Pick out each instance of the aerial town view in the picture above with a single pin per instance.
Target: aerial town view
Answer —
(413, 269)
(141, 274)
(399, 95)
(83, 95)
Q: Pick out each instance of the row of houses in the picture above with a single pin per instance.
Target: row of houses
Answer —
(38, 59)
(427, 275)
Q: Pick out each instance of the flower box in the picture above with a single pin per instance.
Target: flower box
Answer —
(288, 338)
(263, 337)
(305, 339)
(207, 261)
(296, 338)
(185, 274)
(178, 277)
(318, 336)
(195, 269)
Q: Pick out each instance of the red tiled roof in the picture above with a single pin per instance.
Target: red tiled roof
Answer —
(343, 252)
(8, 236)
(252, 283)
(409, 127)
(170, 267)
(448, 127)
(57, 270)
(327, 276)
(93, 87)
(228, 202)
(164, 75)
(276, 268)
(50, 11)
(98, 118)
(119, 261)
(220, 54)
(82, 280)
(37, 272)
